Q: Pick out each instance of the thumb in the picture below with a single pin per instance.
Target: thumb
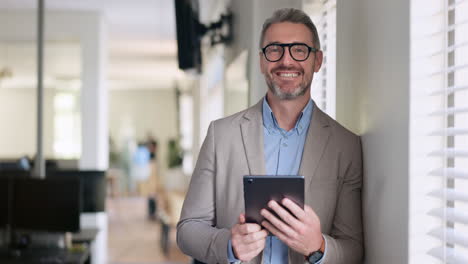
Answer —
(242, 218)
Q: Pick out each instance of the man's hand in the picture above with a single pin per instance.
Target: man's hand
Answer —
(302, 231)
(247, 239)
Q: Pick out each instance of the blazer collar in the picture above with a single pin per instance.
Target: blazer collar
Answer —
(318, 135)
(315, 145)
(252, 137)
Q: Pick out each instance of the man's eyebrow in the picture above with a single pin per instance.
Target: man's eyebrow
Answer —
(273, 42)
(277, 42)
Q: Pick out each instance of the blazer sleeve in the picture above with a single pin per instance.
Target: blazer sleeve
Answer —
(345, 241)
(197, 235)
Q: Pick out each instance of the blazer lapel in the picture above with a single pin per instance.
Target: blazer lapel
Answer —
(316, 141)
(252, 138)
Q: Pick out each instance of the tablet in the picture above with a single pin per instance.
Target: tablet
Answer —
(259, 190)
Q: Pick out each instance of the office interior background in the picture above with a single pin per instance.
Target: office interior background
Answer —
(395, 72)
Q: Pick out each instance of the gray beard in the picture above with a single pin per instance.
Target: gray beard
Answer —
(276, 90)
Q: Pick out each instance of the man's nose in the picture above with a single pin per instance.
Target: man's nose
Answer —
(287, 58)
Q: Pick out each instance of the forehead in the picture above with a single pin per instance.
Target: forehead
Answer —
(287, 32)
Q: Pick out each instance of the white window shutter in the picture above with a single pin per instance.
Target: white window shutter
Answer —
(323, 90)
(439, 61)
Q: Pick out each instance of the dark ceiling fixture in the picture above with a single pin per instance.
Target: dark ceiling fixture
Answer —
(190, 33)
(219, 32)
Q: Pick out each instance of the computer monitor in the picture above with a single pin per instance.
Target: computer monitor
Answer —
(7, 176)
(51, 205)
(93, 187)
(14, 173)
(4, 201)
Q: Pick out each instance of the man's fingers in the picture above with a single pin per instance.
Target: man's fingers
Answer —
(250, 228)
(275, 231)
(298, 212)
(244, 250)
(285, 215)
(258, 247)
(248, 239)
(244, 229)
(242, 218)
(277, 222)
(311, 213)
(256, 236)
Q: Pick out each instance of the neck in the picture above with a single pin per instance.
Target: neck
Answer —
(287, 111)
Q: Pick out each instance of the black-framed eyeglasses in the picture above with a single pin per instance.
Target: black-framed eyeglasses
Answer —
(298, 51)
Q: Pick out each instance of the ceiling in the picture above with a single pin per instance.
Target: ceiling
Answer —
(126, 19)
(142, 45)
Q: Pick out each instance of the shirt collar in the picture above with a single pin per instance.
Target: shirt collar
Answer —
(302, 124)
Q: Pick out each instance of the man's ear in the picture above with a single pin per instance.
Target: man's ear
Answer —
(318, 60)
(261, 62)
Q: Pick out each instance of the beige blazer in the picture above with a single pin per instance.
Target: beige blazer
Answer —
(332, 167)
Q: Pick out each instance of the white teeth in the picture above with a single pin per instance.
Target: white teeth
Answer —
(288, 74)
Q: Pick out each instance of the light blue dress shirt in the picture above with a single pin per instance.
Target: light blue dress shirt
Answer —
(283, 153)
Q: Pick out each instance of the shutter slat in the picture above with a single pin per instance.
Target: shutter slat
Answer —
(450, 131)
(449, 8)
(451, 173)
(448, 254)
(450, 153)
(448, 49)
(450, 236)
(450, 195)
(460, 23)
(450, 111)
(449, 69)
(445, 30)
(455, 4)
(450, 214)
(450, 90)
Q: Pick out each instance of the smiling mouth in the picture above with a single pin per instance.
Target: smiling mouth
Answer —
(287, 75)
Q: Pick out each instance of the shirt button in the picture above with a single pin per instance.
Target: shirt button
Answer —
(285, 145)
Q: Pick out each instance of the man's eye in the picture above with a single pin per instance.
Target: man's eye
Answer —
(299, 50)
(274, 49)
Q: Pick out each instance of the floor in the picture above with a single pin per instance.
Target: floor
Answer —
(134, 238)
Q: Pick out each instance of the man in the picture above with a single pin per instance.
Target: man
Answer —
(284, 134)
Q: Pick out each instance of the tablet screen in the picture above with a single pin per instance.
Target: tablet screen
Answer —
(259, 190)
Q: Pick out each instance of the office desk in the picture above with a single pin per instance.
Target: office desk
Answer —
(53, 255)
(46, 256)
(86, 236)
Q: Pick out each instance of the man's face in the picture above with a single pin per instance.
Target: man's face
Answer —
(287, 78)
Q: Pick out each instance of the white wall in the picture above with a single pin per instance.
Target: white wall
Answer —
(373, 99)
(350, 51)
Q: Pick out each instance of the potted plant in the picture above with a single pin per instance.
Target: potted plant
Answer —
(175, 179)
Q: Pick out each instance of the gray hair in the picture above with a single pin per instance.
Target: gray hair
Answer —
(294, 16)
